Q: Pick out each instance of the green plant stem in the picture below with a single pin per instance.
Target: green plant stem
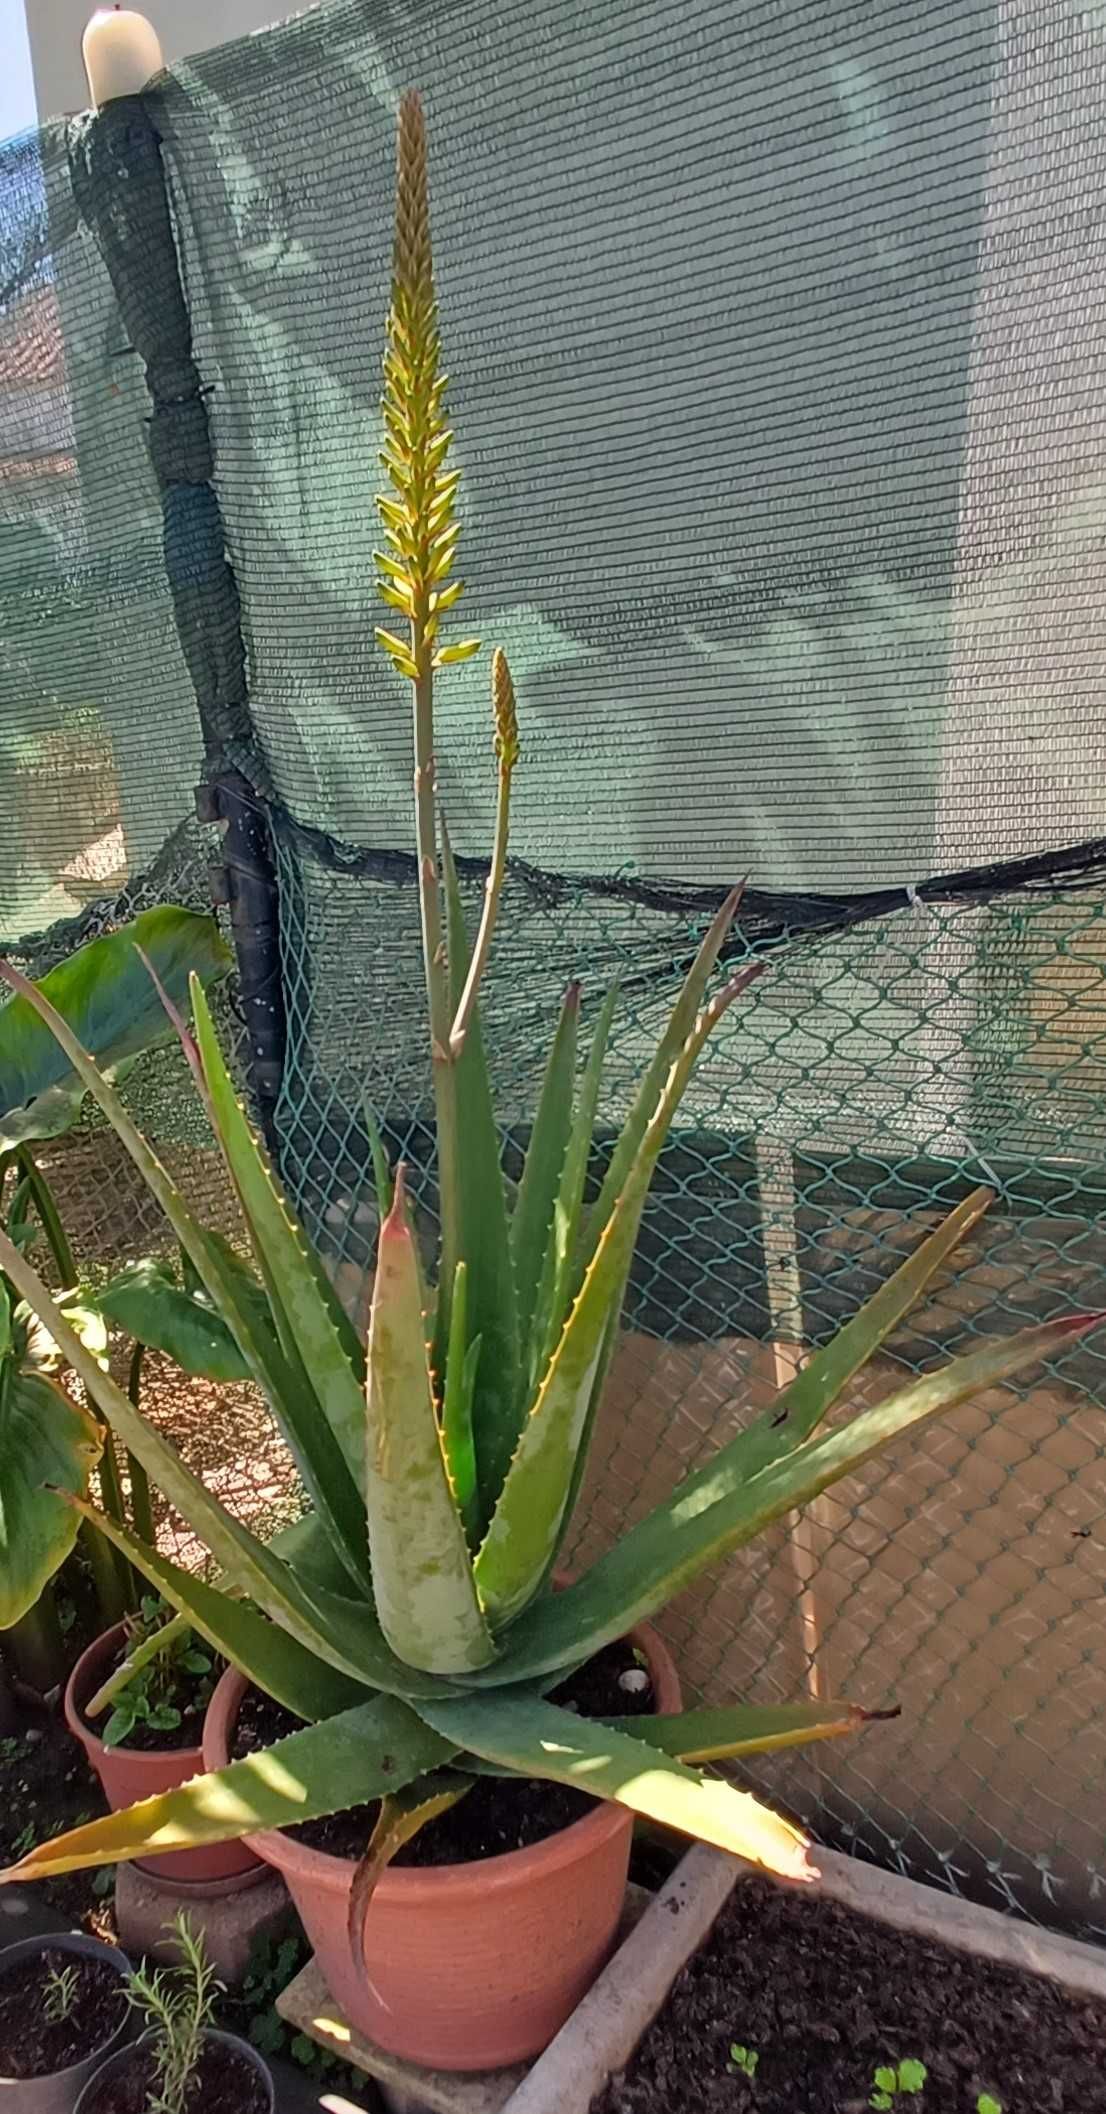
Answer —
(35, 1646)
(49, 1218)
(493, 889)
(110, 1594)
(142, 1513)
(434, 959)
(111, 1494)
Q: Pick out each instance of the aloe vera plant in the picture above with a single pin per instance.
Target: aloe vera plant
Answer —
(411, 1620)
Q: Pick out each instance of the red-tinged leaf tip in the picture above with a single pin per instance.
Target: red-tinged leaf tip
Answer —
(572, 996)
(1078, 1324)
(395, 1225)
(187, 1040)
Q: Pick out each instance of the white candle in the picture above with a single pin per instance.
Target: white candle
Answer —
(121, 52)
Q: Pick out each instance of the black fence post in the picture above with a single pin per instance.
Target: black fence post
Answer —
(119, 185)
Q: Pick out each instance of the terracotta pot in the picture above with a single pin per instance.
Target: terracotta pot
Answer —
(473, 1966)
(128, 1773)
(58, 2092)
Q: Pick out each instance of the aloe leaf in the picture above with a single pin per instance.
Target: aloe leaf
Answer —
(718, 1509)
(48, 1445)
(534, 1738)
(679, 1026)
(402, 1815)
(803, 1403)
(345, 1633)
(522, 1539)
(532, 1217)
(733, 1730)
(146, 1301)
(360, 1755)
(304, 1320)
(559, 1263)
(483, 1233)
(282, 1380)
(104, 992)
(462, 1359)
(422, 1574)
(266, 1654)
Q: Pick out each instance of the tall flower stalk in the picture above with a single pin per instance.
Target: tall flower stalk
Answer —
(421, 531)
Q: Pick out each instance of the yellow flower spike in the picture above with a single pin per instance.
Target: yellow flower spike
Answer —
(419, 519)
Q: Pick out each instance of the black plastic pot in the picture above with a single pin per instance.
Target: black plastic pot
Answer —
(117, 2063)
(60, 2091)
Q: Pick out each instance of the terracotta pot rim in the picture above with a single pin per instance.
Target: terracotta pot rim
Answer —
(421, 1886)
(79, 1726)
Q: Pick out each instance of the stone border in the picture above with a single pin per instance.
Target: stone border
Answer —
(606, 2028)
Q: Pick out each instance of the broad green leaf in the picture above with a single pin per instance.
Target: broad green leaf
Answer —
(680, 1023)
(483, 1233)
(345, 1633)
(532, 1218)
(105, 993)
(522, 1539)
(360, 1755)
(146, 1301)
(732, 1730)
(559, 1263)
(39, 1351)
(304, 1321)
(307, 1549)
(402, 1815)
(462, 1359)
(717, 1510)
(803, 1403)
(271, 1658)
(47, 1444)
(422, 1574)
(537, 1739)
(282, 1379)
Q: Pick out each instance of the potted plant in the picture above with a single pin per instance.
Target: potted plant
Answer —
(63, 2008)
(48, 1442)
(148, 1682)
(182, 2063)
(412, 1629)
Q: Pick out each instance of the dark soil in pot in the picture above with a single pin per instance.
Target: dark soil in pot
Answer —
(30, 2046)
(224, 2082)
(497, 1815)
(822, 1998)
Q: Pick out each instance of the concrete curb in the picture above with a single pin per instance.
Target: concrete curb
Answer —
(605, 2029)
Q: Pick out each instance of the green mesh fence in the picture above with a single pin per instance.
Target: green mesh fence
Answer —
(778, 341)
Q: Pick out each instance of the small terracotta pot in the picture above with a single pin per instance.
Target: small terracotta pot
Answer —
(468, 1966)
(128, 1773)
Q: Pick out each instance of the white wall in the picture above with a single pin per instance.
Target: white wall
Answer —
(184, 26)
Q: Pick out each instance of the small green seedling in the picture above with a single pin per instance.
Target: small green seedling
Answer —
(894, 2079)
(59, 1994)
(744, 2059)
(147, 1698)
(988, 2104)
(177, 2004)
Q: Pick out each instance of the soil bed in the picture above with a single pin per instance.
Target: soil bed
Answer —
(823, 1998)
(223, 2083)
(497, 1814)
(29, 2045)
(46, 1785)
